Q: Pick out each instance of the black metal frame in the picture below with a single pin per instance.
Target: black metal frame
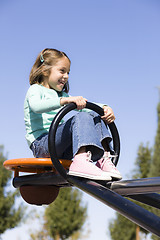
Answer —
(110, 193)
(105, 194)
(125, 207)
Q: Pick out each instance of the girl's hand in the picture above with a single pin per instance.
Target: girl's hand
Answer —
(79, 100)
(108, 115)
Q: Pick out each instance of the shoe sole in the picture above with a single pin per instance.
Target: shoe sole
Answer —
(115, 175)
(84, 175)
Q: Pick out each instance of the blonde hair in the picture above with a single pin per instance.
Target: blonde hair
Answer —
(44, 62)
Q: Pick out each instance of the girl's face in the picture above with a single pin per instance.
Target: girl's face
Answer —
(59, 75)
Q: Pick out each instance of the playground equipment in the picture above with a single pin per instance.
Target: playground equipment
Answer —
(42, 187)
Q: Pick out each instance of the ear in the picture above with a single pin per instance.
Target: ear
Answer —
(46, 73)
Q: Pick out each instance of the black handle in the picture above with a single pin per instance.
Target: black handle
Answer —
(53, 129)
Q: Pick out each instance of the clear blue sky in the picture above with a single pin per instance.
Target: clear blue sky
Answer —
(114, 46)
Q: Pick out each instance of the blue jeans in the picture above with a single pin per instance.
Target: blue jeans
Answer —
(83, 129)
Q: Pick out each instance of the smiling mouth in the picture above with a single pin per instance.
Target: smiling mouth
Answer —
(62, 82)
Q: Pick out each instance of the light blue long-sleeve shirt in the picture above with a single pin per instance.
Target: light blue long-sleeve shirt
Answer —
(40, 107)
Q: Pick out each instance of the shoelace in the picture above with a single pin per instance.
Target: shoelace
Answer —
(108, 160)
(89, 155)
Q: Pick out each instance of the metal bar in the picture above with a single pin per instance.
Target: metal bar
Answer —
(130, 210)
(136, 186)
(42, 179)
(152, 199)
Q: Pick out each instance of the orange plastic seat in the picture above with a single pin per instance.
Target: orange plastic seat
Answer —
(33, 165)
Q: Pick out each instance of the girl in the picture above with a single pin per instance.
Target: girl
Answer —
(78, 137)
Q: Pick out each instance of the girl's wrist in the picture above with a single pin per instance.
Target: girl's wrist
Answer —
(63, 101)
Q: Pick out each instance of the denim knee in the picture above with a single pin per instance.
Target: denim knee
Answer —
(40, 147)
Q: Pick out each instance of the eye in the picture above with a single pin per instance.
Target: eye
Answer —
(62, 70)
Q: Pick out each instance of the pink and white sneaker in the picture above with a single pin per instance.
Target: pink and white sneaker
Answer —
(106, 165)
(82, 166)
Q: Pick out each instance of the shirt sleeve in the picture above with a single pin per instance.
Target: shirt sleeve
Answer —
(40, 103)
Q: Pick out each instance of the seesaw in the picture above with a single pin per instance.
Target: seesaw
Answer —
(48, 175)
